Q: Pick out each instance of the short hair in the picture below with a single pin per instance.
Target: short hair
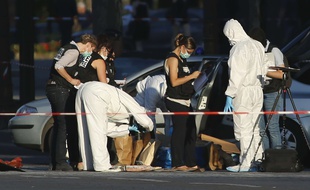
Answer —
(259, 35)
(187, 41)
(85, 38)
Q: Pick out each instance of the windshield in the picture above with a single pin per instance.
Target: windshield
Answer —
(298, 55)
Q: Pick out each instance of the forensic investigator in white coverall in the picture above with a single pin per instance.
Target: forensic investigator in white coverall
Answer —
(244, 92)
(107, 113)
(150, 94)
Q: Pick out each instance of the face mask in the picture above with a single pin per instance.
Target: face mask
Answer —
(104, 57)
(185, 55)
(86, 54)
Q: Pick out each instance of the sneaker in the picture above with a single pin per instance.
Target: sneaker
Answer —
(239, 168)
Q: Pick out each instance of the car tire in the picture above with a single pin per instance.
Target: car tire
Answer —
(48, 140)
(294, 138)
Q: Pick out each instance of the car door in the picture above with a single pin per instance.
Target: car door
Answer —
(211, 98)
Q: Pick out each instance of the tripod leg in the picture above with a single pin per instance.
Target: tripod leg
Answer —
(297, 115)
(267, 123)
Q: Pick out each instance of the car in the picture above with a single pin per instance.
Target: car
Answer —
(209, 97)
(34, 131)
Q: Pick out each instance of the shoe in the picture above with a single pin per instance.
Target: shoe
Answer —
(63, 167)
(239, 168)
(180, 168)
(196, 169)
(186, 168)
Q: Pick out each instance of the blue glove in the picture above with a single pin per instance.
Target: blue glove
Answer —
(134, 128)
(228, 105)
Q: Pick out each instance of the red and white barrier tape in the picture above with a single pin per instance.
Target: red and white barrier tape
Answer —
(165, 113)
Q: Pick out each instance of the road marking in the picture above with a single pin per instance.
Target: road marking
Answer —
(227, 184)
(140, 179)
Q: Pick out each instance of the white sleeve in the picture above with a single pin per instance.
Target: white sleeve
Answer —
(138, 112)
(68, 59)
(278, 55)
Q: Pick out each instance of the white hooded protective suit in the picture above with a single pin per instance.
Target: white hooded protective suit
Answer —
(246, 69)
(104, 110)
(150, 95)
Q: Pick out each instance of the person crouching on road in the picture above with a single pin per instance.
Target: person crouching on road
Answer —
(104, 110)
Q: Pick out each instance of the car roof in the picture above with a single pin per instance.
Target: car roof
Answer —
(194, 58)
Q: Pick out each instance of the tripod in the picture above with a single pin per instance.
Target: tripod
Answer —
(284, 91)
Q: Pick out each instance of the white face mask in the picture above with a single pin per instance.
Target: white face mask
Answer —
(104, 57)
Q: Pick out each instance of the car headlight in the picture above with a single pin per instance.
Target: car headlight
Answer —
(27, 109)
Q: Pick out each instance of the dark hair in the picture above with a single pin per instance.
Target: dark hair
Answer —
(187, 41)
(104, 41)
(259, 35)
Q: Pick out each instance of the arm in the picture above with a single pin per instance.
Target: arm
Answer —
(68, 59)
(278, 57)
(172, 64)
(65, 75)
(136, 110)
(237, 72)
(278, 74)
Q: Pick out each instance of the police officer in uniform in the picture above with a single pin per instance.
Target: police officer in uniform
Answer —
(60, 92)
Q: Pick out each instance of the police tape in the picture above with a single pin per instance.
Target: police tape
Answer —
(26, 65)
(165, 113)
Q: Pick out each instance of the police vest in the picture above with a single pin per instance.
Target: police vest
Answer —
(86, 72)
(72, 71)
(276, 84)
(184, 91)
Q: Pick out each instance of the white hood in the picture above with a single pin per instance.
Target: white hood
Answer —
(234, 32)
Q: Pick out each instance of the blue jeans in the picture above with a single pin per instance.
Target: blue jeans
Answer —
(65, 127)
(272, 137)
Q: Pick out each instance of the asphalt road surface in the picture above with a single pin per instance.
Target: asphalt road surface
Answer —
(37, 176)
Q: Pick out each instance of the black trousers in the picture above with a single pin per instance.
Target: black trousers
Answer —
(65, 127)
(183, 139)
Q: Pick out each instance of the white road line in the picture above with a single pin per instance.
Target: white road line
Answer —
(227, 184)
(140, 179)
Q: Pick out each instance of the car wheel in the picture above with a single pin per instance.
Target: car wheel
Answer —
(47, 135)
(294, 138)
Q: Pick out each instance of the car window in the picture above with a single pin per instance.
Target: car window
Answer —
(212, 98)
(130, 87)
(298, 55)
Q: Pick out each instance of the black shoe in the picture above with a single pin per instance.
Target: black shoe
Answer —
(63, 167)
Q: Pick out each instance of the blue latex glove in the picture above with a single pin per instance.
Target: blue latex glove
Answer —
(228, 105)
(134, 128)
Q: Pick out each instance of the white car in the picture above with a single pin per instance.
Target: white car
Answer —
(34, 131)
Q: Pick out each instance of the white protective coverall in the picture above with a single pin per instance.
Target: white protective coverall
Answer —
(246, 70)
(104, 111)
(150, 95)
